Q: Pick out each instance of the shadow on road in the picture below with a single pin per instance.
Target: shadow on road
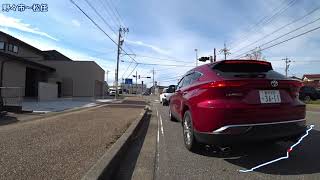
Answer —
(129, 161)
(6, 119)
(304, 159)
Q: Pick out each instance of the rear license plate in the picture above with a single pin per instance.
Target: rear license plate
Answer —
(269, 96)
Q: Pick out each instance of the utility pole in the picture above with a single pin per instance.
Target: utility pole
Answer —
(225, 51)
(214, 55)
(196, 50)
(142, 87)
(136, 82)
(107, 75)
(287, 61)
(120, 42)
(154, 88)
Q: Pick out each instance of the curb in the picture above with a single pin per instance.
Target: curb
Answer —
(110, 161)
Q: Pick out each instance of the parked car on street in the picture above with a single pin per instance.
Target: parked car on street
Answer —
(112, 92)
(308, 93)
(235, 101)
(166, 94)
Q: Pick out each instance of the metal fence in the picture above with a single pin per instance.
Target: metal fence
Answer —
(12, 96)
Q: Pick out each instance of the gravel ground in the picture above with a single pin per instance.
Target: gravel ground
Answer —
(63, 146)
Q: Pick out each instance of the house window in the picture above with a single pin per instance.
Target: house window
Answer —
(1, 45)
(13, 48)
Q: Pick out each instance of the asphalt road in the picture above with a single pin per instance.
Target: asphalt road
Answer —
(174, 161)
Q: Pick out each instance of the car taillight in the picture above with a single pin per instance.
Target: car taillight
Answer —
(295, 87)
(226, 88)
(222, 84)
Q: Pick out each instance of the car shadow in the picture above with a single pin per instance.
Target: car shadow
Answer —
(304, 159)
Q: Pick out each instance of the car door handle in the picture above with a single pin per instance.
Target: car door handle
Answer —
(184, 93)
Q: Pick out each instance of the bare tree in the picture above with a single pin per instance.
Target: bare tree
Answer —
(255, 54)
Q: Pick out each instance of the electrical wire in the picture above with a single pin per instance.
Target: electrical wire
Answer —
(95, 10)
(133, 70)
(282, 27)
(115, 12)
(75, 4)
(173, 60)
(306, 32)
(265, 22)
(111, 16)
(155, 64)
(285, 34)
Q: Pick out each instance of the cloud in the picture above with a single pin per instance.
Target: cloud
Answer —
(153, 47)
(10, 22)
(75, 23)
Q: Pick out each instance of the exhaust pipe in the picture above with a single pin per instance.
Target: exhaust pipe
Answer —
(225, 150)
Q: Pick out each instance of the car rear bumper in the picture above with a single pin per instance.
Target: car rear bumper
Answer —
(234, 134)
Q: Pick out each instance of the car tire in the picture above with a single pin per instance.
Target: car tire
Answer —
(171, 117)
(188, 134)
(307, 98)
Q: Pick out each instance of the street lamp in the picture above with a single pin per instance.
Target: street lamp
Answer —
(196, 50)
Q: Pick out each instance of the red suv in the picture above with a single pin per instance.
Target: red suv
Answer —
(233, 101)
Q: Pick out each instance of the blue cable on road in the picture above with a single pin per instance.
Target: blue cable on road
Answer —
(281, 158)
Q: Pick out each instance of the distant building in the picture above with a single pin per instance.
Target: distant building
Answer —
(311, 80)
(46, 74)
(133, 88)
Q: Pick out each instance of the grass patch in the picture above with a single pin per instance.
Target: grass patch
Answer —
(317, 102)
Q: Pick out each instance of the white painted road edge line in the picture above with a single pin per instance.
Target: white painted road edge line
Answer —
(161, 126)
(281, 158)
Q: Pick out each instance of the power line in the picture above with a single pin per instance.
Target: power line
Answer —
(256, 24)
(95, 10)
(154, 64)
(115, 12)
(267, 35)
(111, 17)
(100, 29)
(165, 59)
(132, 70)
(306, 32)
(283, 35)
(265, 21)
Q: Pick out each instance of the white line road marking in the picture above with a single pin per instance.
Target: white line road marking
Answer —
(161, 125)
(157, 113)
(158, 131)
(281, 158)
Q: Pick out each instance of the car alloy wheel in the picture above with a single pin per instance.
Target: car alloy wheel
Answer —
(189, 140)
(187, 131)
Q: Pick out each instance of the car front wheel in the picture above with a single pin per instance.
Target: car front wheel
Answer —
(188, 137)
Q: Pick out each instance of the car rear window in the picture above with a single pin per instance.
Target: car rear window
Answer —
(245, 69)
(238, 66)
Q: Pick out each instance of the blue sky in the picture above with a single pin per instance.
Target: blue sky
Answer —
(170, 30)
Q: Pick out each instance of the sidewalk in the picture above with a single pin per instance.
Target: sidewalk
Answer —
(64, 146)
